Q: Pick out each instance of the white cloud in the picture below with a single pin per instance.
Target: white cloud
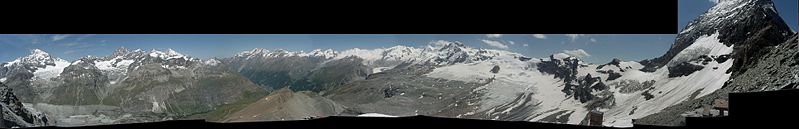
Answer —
(593, 40)
(495, 44)
(60, 37)
(493, 35)
(540, 36)
(512, 43)
(573, 37)
(579, 53)
(71, 44)
(524, 45)
(714, 1)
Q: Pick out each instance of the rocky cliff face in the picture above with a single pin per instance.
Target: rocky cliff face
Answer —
(748, 25)
(14, 112)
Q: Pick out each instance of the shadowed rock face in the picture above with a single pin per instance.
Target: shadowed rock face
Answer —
(578, 86)
(15, 114)
(495, 69)
(565, 69)
(684, 69)
(454, 54)
(21, 83)
(612, 75)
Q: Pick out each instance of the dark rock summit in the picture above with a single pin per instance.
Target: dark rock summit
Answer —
(749, 25)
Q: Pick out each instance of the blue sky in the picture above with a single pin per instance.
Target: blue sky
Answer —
(601, 48)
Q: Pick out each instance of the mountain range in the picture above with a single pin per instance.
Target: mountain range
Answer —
(736, 46)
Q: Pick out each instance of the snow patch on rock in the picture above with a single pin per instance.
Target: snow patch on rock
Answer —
(51, 71)
(670, 91)
(212, 62)
(515, 78)
(704, 45)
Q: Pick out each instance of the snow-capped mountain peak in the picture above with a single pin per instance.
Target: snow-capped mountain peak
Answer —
(726, 11)
(281, 53)
(120, 51)
(452, 45)
(36, 58)
(173, 53)
(735, 22)
(264, 53)
(169, 54)
(444, 43)
(212, 62)
(560, 56)
(404, 53)
(725, 6)
(39, 53)
(39, 63)
(439, 52)
(253, 52)
(329, 53)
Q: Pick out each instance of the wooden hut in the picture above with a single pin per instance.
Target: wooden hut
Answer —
(721, 105)
(595, 118)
